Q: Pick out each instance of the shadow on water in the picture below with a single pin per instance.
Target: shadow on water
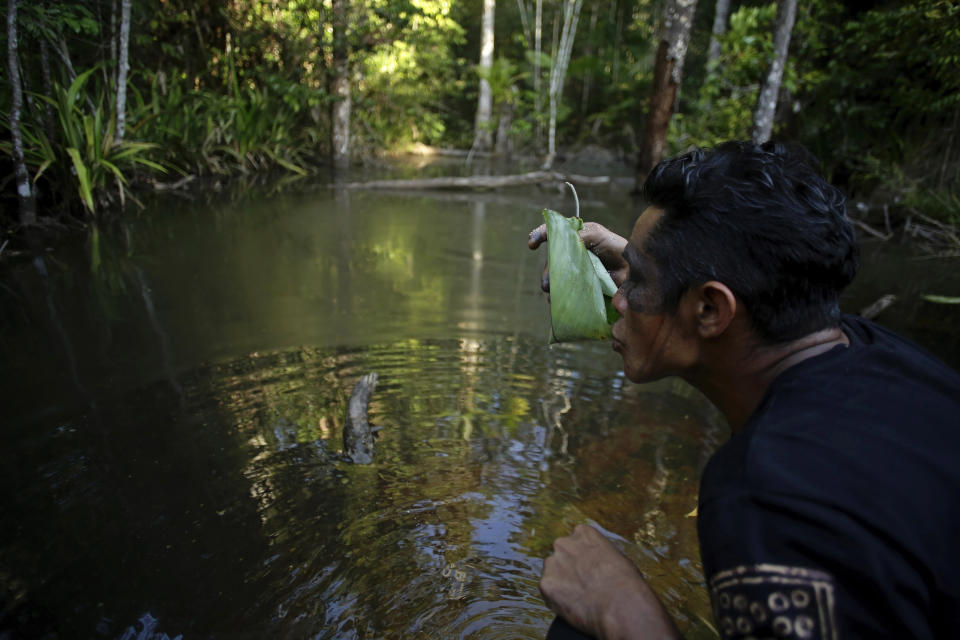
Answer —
(174, 398)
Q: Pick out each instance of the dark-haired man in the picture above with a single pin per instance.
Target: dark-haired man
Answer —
(834, 509)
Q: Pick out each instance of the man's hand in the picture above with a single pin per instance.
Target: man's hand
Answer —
(594, 587)
(607, 245)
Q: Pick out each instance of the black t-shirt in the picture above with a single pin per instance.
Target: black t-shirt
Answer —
(835, 511)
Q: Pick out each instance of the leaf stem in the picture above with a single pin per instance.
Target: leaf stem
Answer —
(576, 198)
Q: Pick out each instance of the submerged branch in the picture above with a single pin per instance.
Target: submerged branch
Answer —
(873, 310)
(480, 182)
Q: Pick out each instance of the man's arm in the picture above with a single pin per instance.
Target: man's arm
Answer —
(594, 587)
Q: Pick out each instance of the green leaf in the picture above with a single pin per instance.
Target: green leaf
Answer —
(578, 308)
(289, 166)
(942, 299)
(83, 178)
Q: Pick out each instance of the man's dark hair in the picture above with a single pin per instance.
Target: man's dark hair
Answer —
(760, 219)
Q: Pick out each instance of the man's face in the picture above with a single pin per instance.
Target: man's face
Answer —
(652, 344)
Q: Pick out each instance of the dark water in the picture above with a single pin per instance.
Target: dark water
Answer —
(173, 397)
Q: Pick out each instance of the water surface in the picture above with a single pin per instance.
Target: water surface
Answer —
(174, 396)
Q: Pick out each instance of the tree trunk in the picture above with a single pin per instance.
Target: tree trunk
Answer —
(588, 52)
(558, 72)
(537, 97)
(767, 99)
(505, 121)
(28, 206)
(719, 28)
(113, 30)
(340, 115)
(667, 74)
(481, 182)
(483, 136)
(616, 16)
(48, 118)
(123, 66)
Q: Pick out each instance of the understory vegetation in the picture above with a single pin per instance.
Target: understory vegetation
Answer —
(221, 88)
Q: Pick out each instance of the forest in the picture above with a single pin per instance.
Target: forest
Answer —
(103, 100)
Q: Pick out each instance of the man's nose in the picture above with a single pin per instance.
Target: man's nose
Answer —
(619, 302)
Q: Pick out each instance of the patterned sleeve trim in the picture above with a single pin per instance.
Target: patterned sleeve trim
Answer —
(774, 601)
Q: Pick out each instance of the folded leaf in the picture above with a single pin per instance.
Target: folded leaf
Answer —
(580, 287)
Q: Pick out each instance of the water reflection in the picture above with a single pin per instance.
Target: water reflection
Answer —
(174, 402)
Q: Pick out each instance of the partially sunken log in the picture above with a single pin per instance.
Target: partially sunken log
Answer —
(872, 311)
(480, 182)
(357, 432)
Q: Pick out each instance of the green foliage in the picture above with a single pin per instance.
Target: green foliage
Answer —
(407, 75)
(878, 90)
(84, 161)
(724, 107)
(257, 130)
(940, 204)
(49, 19)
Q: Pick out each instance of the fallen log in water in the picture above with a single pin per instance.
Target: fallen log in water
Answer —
(872, 311)
(479, 182)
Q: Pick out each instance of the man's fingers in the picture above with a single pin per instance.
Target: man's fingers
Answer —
(537, 237)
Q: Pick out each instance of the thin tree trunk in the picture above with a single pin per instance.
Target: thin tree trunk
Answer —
(340, 116)
(588, 76)
(113, 30)
(505, 121)
(123, 66)
(483, 135)
(719, 28)
(68, 63)
(481, 182)
(28, 206)
(767, 99)
(537, 98)
(558, 72)
(667, 75)
(617, 17)
(48, 121)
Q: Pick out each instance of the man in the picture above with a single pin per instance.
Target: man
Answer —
(834, 509)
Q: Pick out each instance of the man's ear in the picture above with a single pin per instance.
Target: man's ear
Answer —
(716, 307)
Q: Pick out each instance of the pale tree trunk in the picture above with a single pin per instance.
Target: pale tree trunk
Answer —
(767, 100)
(123, 66)
(537, 98)
(558, 71)
(28, 206)
(340, 115)
(719, 28)
(667, 75)
(483, 136)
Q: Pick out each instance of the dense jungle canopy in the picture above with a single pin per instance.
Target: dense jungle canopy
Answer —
(227, 87)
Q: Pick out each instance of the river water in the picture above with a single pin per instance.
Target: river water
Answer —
(174, 391)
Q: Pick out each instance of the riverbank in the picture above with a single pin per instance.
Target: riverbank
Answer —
(885, 217)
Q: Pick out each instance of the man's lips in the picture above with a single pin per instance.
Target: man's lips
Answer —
(616, 345)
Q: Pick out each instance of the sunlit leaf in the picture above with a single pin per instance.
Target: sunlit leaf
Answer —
(942, 299)
(578, 284)
(83, 179)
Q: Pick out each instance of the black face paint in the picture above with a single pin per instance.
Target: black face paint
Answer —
(635, 286)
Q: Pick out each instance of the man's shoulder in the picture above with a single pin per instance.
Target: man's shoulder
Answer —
(847, 467)
(844, 417)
